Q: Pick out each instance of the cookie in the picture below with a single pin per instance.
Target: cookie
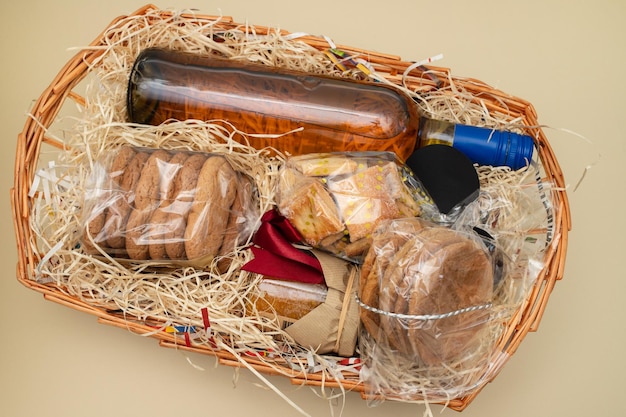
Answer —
(358, 248)
(366, 198)
(96, 227)
(421, 265)
(368, 182)
(386, 242)
(147, 195)
(464, 279)
(423, 269)
(375, 265)
(323, 165)
(185, 189)
(362, 214)
(159, 225)
(136, 242)
(120, 207)
(210, 210)
(312, 211)
(119, 163)
(394, 292)
(93, 231)
(236, 222)
(149, 186)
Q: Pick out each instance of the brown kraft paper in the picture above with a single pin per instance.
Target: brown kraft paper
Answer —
(332, 327)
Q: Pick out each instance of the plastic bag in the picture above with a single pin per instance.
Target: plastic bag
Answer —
(336, 200)
(426, 292)
(153, 204)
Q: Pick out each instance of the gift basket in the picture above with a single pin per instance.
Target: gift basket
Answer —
(347, 249)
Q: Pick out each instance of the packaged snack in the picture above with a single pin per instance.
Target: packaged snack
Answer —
(336, 200)
(322, 317)
(289, 300)
(426, 292)
(158, 205)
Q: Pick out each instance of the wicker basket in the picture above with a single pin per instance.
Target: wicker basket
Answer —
(33, 141)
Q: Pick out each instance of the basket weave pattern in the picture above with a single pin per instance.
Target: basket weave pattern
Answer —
(33, 138)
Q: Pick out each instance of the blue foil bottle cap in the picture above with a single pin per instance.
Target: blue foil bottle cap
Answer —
(486, 146)
(520, 151)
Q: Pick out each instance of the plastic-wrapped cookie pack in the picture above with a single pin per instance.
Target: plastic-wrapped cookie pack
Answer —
(159, 205)
(426, 290)
(426, 295)
(336, 200)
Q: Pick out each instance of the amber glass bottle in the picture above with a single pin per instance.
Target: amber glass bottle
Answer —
(323, 113)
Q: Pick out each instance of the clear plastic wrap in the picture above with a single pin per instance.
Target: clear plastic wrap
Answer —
(158, 205)
(426, 298)
(435, 300)
(426, 291)
(336, 200)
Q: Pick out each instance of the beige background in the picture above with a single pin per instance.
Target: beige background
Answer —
(566, 57)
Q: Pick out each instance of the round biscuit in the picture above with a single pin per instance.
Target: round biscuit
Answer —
(147, 196)
(185, 188)
(209, 212)
(120, 208)
(159, 221)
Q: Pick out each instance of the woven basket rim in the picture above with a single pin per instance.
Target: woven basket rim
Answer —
(51, 99)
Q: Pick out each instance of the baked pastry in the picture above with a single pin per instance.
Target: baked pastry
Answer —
(210, 210)
(185, 189)
(433, 271)
(177, 205)
(148, 193)
(370, 196)
(120, 207)
(323, 165)
(336, 201)
(159, 225)
(310, 208)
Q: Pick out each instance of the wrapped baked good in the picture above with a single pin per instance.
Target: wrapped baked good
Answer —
(426, 291)
(336, 200)
(322, 317)
(289, 300)
(158, 205)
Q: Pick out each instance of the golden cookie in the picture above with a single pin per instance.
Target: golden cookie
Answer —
(159, 224)
(236, 221)
(120, 207)
(312, 211)
(147, 195)
(185, 188)
(210, 210)
(366, 198)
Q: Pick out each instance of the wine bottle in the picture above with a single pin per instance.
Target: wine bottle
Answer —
(298, 113)
(315, 113)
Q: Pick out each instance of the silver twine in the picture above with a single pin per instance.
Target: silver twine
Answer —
(422, 316)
